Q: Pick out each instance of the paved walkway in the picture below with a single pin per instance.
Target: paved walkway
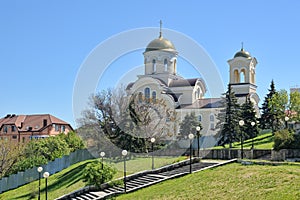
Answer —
(144, 179)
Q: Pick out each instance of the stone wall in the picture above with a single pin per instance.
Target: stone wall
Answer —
(226, 154)
(285, 154)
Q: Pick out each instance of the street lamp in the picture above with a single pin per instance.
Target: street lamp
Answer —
(102, 154)
(198, 129)
(124, 154)
(241, 123)
(152, 146)
(286, 119)
(46, 175)
(39, 169)
(252, 145)
(191, 137)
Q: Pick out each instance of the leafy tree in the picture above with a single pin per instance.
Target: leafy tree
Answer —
(277, 105)
(73, 140)
(38, 152)
(294, 106)
(267, 117)
(189, 124)
(283, 139)
(230, 117)
(94, 175)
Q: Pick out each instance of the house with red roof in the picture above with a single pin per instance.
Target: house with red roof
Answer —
(22, 128)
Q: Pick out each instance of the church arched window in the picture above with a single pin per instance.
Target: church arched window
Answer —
(153, 96)
(153, 66)
(147, 94)
(166, 65)
(212, 118)
(236, 76)
(200, 118)
(242, 76)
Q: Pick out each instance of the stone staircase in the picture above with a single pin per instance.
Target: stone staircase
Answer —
(141, 180)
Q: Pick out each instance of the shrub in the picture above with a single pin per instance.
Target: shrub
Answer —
(94, 175)
(283, 139)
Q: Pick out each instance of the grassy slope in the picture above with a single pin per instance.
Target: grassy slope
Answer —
(263, 141)
(233, 181)
(69, 179)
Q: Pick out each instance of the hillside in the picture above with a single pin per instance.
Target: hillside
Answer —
(233, 181)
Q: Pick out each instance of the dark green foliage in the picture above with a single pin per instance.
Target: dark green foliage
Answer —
(286, 139)
(248, 115)
(189, 124)
(93, 174)
(38, 152)
(267, 118)
(228, 119)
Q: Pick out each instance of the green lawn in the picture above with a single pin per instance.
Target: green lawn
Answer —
(263, 141)
(69, 179)
(233, 181)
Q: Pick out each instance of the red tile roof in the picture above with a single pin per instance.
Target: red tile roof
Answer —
(36, 122)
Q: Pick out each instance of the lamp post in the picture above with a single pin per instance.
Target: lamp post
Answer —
(46, 175)
(286, 119)
(198, 129)
(152, 146)
(39, 169)
(241, 123)
(191, 137)
(102, 154)
(124, 154)
(252, 145)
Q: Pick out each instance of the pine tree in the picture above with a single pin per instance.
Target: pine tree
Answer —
(248, 115)
(267, 118)
(230, 115)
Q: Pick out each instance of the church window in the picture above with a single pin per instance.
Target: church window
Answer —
(242, 76)
(212, 118)
(140, 97)
(236, 76)
(154, 97)
(212, 126)
(166, 65)
(200, 118)
(153, 65)
(147, 95)
(174, 70)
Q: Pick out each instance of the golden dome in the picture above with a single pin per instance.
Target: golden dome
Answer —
(242, 53)
(160, 44)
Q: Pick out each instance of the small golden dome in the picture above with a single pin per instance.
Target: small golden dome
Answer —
(242, 53)
(160, 44)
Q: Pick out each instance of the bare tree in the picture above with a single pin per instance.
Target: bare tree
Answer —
(125, 121)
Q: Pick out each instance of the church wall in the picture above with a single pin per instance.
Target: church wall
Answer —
(209, 126)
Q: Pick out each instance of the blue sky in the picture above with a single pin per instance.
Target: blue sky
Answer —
(44, 43)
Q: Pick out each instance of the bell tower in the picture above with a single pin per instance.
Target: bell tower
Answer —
(160, 58)
(242, 77)
(242, 73)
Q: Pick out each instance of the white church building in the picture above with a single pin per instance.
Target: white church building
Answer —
(161, 80)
